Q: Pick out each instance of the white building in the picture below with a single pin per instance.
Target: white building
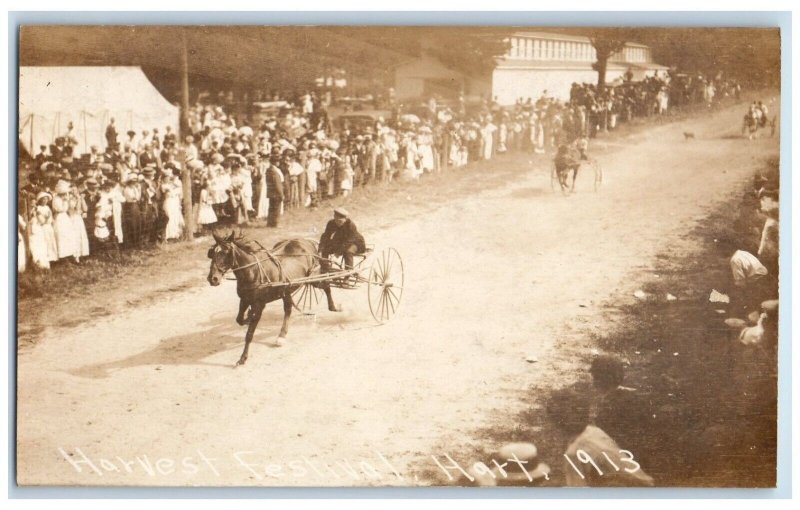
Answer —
(539, 61)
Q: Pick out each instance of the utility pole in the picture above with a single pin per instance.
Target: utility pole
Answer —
(186, 172)
(184, 127)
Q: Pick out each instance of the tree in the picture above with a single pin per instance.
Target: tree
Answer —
(470, 50)
(473, 51)
(606, 42)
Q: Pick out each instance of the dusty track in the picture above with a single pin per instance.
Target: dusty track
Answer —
(514, 272)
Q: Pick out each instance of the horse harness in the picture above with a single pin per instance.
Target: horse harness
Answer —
(262, 272)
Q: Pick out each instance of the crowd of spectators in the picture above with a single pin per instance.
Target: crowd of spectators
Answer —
(130, 193)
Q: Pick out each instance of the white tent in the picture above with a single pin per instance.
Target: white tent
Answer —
(51, 97)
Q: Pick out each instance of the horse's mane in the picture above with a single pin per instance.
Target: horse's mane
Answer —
(250, 246)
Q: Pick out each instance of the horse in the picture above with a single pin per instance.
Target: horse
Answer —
(568, 158)
(258, 270)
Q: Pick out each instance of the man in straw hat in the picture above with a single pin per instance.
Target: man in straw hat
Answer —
(341, 237)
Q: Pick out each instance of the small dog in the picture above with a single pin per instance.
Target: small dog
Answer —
(687, 135)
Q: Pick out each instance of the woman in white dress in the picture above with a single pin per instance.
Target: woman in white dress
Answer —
(502, 137)
(246, 175)
(206, 217)
(487, 136)
(173, 193)
(77, 210)
(425, 149)
(66, 240)
(263, 202)
(412, 157)
(22, 225)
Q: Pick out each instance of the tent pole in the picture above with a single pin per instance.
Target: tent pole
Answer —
(85, 134)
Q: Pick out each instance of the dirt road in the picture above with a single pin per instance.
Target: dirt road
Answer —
(150, 397)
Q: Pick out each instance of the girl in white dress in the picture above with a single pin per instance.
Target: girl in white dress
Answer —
(346, 184)
(206, 216)
(313, 168)
(43, 239)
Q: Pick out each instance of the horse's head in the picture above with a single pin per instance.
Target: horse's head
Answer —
(222, 258)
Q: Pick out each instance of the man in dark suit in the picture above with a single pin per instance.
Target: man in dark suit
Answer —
(40, 158)
(275, 191)
(341, 237)
(111, 134)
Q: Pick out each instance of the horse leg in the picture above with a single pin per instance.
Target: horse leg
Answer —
(251, 329)
(243, 306)
(287, 312)
(574, 176)
(562, 180)
(329, 295)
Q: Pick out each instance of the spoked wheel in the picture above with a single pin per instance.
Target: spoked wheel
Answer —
(306, 298)
(385, 285)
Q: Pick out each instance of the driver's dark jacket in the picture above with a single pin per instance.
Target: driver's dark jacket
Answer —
(336, 238)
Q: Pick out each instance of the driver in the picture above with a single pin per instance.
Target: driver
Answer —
(341, 238)
(582, 146)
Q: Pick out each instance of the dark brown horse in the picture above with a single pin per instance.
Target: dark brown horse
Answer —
(264, 276)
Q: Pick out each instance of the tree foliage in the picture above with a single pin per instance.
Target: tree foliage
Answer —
(472, 51)
(607, 42)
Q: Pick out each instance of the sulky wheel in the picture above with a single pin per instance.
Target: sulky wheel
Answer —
(306, 298)
(385, 285)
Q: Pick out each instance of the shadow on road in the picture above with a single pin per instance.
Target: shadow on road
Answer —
(219, 334)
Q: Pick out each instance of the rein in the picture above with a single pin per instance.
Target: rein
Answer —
(258, 262)
(270, 257)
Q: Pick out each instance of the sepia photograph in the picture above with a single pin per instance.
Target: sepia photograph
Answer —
(397, 256)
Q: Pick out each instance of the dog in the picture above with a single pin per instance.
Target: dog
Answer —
(687, 135)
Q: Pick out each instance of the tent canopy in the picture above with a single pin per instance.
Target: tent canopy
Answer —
(52, 97)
